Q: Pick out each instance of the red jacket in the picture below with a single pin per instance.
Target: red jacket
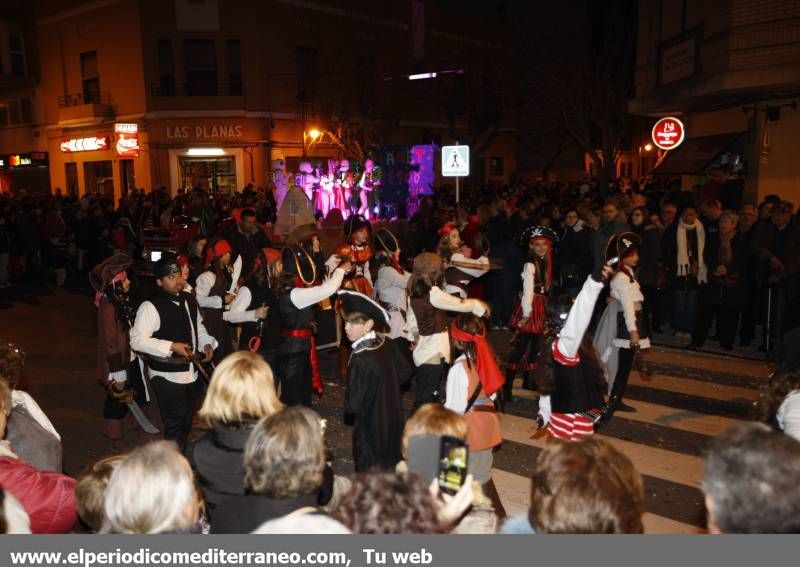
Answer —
(48, 497)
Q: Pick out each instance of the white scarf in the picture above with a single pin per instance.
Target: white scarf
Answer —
(683, 250)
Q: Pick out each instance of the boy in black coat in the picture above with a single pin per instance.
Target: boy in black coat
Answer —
(374, 374)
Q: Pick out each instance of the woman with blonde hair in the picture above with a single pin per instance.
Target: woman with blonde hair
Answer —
(242, 391)
(152, 492)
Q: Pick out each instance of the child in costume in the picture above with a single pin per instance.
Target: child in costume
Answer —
(529, 316)
(374, 374)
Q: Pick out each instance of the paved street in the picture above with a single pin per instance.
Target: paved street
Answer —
(687, 399)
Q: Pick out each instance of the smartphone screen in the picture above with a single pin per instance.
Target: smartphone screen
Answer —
(453, 459)
(155, 256)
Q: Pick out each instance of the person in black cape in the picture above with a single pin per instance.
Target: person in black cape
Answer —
(374, 373)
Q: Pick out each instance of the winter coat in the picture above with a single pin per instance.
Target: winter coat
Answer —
(48, 497)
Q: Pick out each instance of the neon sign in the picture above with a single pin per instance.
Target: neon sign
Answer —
(92, 143)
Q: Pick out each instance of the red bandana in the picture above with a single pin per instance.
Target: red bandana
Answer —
(488, 371)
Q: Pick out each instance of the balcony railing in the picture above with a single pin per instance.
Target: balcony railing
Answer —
(78, 99)
(196, 89)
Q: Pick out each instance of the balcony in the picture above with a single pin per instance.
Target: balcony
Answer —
(84, 108)
(190, 96)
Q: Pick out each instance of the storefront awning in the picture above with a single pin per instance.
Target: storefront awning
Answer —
(696, 154)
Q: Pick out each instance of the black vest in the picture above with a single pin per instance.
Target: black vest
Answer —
(271, 333)
(175, 326)
(430, 320)
(294, 318)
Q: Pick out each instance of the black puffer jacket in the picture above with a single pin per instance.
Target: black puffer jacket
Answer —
(218, 460)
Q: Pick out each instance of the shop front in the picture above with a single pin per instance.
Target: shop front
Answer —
(218, 155)
(104, 161)
(24, 171)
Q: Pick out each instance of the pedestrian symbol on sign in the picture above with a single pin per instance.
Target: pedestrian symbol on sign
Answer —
(455, 161)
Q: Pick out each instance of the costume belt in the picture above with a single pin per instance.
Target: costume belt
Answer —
(300, 333)
(316, 377)
(176, 360)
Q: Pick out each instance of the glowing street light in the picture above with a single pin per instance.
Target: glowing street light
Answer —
(314, 134)
(648, 147)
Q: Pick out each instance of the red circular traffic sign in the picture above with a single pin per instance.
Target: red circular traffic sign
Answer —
(668, 133)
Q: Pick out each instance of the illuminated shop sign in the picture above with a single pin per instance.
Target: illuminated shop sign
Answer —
(32, 159)
(668, 133)
(92, 143)
(127, 140)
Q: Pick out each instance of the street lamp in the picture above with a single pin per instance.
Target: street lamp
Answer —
(648, 147)
(313, 134)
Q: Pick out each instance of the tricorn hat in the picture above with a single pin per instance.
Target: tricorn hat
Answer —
(385, 240)
(355, 302)
(623, 244)
(302, 233)
(533, 232)
(355, 223)
(297, 261)
(105, 272)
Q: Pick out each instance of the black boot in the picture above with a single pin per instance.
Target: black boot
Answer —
(508, 386)
(528, 382)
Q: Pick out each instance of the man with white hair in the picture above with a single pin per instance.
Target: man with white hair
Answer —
(152, 492)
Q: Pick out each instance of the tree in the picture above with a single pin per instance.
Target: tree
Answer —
(580, 80)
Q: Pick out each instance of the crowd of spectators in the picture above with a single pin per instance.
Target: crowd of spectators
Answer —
(262, 468)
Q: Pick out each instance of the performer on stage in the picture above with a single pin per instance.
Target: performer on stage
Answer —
(529, 316)
(453, 250)
(307, 179)
(169, 329)
(326, 199)
(624, 327)
(299, 371)
(367, 185)
(256, 308)
(374, 374)
(344, 188)
(570, 376)
(426, 324)
(115, 360)
(212, 292)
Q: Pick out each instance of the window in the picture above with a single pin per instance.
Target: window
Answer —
(166, 68)
(496, 166)
(90, 76)
(13, 112)
(26, 112)
(307, 74)
(233, 55)
(201, 67)
(17, 55)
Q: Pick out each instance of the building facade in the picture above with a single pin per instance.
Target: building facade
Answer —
(117, 94)
(731, 72)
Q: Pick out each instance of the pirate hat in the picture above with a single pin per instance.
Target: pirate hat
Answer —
(297, 261)
(355, 302)
(103, 273)
(385, 240)
(354, 223)
(622, 245)
(302, 233)
(533, 232)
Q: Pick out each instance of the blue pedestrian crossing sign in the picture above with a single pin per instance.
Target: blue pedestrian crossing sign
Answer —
(455, 161)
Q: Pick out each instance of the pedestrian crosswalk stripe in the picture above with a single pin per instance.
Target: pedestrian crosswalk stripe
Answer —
(693, 387)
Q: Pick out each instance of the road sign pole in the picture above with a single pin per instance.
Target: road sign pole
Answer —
(457, 180)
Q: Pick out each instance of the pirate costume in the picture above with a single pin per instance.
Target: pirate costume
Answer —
(374, 374)
(529, 316)
(392, 282)
(261, 336)
(116, 363)
(160, 322)
(572, 378)
(211, 287)
(622, 316)
(458, 278)
(297, 354)
(427, 327)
